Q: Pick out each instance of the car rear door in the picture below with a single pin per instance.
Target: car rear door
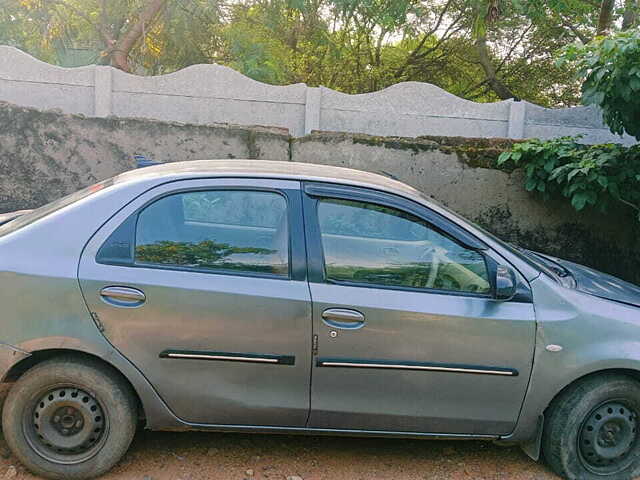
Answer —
(409, 336)
(202, 285)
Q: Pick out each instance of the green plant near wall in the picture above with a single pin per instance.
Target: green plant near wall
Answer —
(596, 176)
(610, 70)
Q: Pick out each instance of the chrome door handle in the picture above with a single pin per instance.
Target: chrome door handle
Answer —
(343, 318)
(123, 296)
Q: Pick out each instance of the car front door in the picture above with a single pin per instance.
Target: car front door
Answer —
(202, 285)
(409, 336)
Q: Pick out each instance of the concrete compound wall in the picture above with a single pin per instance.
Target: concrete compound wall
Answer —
(207, 94)
(44, 155)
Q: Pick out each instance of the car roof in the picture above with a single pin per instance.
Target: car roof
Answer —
(267, 169)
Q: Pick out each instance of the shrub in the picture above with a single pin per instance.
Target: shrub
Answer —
(610, 68)
(597, 176)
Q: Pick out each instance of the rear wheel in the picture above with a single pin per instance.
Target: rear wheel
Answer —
(71, 418)
(591, 430)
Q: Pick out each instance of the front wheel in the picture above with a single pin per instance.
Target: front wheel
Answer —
(69, 418)
(591, 429)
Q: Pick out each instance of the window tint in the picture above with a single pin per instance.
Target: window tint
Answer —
(218, 230)
(368, 243)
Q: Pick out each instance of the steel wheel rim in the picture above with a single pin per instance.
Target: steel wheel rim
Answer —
(65, 425)
(607, 438)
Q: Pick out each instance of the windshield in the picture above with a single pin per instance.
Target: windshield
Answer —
(49, 208)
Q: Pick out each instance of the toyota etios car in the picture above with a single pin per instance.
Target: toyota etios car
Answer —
(283, 297)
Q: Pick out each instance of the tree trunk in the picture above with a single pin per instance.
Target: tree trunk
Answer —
(630, 14)
(124, 45)
(489, 70)
(606, 17)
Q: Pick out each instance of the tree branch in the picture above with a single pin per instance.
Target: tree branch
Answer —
(411, 57)
(494, 82)
(630, 16)
(106, 36)
(122, 49)
(581, 36)
(513, 47)
(605, 20)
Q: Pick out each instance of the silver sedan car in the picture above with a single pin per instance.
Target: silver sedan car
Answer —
(278, 297)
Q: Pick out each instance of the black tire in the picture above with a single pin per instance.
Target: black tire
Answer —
(591, 429)
(69, 418)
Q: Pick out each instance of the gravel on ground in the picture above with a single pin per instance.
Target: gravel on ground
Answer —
(228, 456)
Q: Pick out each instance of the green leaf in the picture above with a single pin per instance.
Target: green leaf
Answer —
(572, 174)
(504, 157)
(579, 200)
(549, 166)
(530, 184)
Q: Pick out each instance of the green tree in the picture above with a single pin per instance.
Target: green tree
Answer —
(483, 50)
(128, 34)
(610, 69)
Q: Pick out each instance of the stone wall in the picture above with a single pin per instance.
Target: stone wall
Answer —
(462, 174)
(44, 155)
(207, 94)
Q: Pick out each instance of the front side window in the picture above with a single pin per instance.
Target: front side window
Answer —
(237, 230)
(377, 245)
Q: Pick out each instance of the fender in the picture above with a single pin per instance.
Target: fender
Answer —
(158, 415)
(542, 390)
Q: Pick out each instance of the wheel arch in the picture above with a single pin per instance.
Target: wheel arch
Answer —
(630, 372)
(154, 411)
(39, 356)
(533, 447)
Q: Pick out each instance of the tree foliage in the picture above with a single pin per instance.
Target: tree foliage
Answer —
(610, 68)
(145, 36)
(204, 254)
(482, 50)
(596, 176)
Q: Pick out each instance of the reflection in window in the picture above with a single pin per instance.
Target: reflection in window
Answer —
(219, 229)
(368, 243)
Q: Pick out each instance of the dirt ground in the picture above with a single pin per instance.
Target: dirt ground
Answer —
(217, 456)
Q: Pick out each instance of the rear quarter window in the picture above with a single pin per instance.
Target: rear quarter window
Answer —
(49, 208)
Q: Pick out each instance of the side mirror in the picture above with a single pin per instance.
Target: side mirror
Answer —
(505, 282)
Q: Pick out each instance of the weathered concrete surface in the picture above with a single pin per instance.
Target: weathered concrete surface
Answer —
(44, 155)
(205, 94)
(455, 173)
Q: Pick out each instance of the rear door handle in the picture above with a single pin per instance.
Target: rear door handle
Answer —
(123, 296)
(343, 318)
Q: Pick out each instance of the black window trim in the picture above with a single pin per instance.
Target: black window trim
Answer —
(131, 223)
(315, 251)
(439, 223)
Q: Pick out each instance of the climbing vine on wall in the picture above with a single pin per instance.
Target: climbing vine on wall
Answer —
(590, 176)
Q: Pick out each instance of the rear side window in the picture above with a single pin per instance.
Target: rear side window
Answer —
(373, 244)
(233, 230)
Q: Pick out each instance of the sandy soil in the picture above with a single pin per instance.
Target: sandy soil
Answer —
(191, 456)
(216, 456)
